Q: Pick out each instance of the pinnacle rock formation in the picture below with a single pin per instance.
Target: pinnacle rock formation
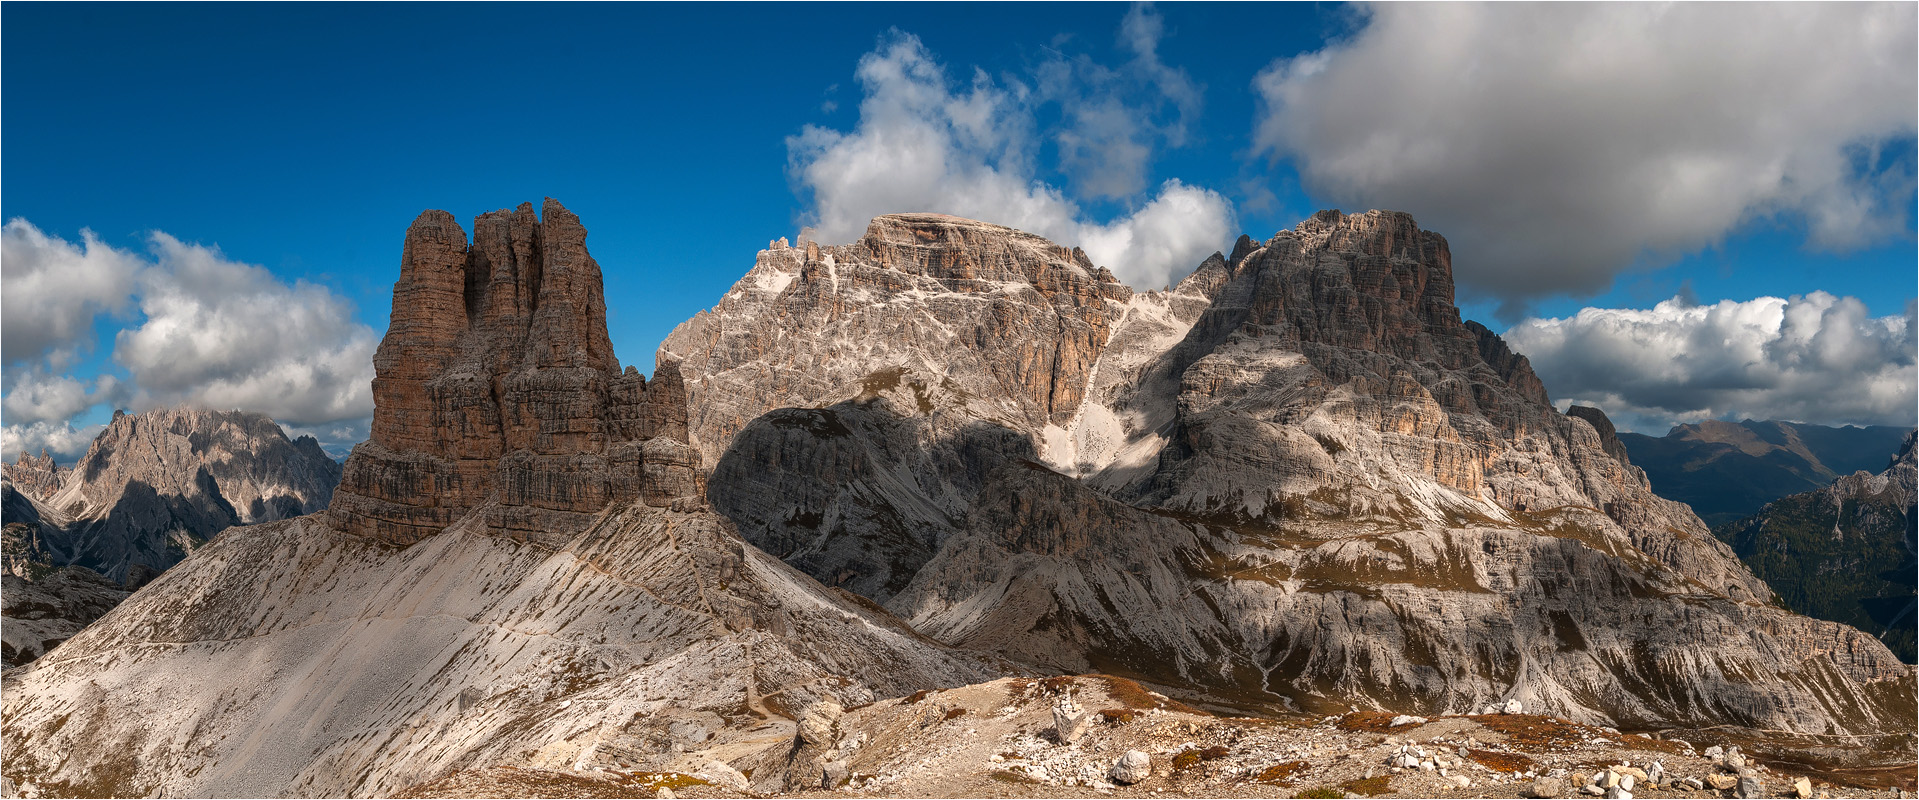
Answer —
(496, 379)
(154, 485)
(40, 478)
(1297, 480)
(519, 570)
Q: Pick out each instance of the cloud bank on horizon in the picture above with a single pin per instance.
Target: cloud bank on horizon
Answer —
(926, 143)
(211, 332)
(1558, 145)
(1814, 358)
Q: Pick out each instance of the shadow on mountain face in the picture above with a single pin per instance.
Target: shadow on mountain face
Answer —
(855, 494)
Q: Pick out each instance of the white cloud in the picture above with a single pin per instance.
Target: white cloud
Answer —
(51, 290)
(211, 333)
(924, 144)
(1557, 143)
(223, 334)
(62, 441)
(34, 396)
(1817, 358)
(1116, 118)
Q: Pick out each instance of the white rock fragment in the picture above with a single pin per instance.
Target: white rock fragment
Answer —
(720, 772)
(1131, 768)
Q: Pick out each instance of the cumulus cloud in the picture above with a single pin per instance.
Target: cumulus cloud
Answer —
(1556, 144)
(51, 290)
(223, 334)
(1815, 358)
(34, 396)
(211, 332)
(58, 439)
(926, 143)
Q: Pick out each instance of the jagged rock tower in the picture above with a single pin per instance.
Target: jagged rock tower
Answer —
(496, 379)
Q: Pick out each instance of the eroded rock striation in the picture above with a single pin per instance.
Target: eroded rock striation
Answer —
(40, 478)
(581, 608)
(915, 361)
(157, 484)
(1296, 480)
(496, 379)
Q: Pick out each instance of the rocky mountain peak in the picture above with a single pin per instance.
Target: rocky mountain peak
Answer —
(156, 484)
(496, 381)
(38, 477)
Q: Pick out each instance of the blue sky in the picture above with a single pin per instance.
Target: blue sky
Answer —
(304, 138)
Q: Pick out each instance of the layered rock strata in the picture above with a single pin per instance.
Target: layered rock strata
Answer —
(582, 610)
(154, 485)
(496, 379)
(40, 478)
(1296, 480)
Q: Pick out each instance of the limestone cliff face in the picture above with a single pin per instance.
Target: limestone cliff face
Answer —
(1298, 479)
(1005, 315)
(1333, 377)
(38, 477)
(518, 570)
(154, 485)
(926, 354)
(496, 379)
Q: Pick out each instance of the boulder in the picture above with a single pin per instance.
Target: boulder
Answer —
(1546, 787)
(723, 774)
(1131, 768)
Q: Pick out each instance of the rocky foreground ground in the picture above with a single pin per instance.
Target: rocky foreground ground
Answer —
(1009, 738)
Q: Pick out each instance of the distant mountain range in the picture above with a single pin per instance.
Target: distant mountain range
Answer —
(1843, 552)
(152, 488)
(1727, 470)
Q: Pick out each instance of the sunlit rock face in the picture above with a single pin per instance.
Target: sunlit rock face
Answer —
(496, 378)
(520, 571)
(155, 485)
(1295, 480)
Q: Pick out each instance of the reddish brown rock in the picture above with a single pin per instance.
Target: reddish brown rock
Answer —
(497, 384)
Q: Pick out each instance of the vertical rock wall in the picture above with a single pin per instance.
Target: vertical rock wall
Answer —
(497, 381)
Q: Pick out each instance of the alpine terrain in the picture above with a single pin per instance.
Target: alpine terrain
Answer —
(950, 511)
(1844, 552)
(151, 488)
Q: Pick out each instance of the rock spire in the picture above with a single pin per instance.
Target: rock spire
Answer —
(497, 384)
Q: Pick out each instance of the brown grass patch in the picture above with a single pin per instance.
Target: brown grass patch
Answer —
(1532, 732)
(916, 697)
(1118, 716)
(1057, 683)
(1369, 722)
(1193, 758)
(1129, 693)
(654, 781)
(1370, 787)
(954, 713)
(1503, 762)
(1282, 774)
